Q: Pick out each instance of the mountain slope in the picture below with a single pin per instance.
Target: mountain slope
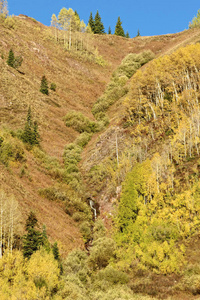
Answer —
(79, 82)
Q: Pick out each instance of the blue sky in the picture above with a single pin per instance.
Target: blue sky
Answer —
(153, 17)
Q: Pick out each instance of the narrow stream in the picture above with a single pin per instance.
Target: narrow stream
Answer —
(92, 204)
(95, 209)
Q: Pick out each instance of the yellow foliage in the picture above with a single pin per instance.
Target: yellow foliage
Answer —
(43, 270)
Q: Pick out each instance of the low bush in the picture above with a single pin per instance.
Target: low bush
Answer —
(112, 276)
(9, 22)
(72, 154)
(83, 139)
(80, 123)
(192, 284)
(53, 86)
(11, 150)
(96, 176)
(85, 229)
(101, 252)
(53, 194)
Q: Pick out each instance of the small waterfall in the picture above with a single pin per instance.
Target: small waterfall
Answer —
(93, 208)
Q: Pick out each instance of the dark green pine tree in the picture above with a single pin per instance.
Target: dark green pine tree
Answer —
(55, 251)
(11, 59)
(127, 35)
(30, 134)
(36, 135)
(45, 242)
(138, 33)
(91, 22)
(98, 25)
(109, 30)
(27, 135)
(56, 255)
(44, 86)
(118, 28)
(33, 240)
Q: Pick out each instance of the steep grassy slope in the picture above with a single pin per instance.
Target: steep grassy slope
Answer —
(79, 83)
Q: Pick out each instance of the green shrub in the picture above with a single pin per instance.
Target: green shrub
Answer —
(53, 194)
(99, 230)
(53, 86)
(80, 123)
(102, 117)
(101, 252)
(72, 289)
(72, 154)
(9, 22)
(192, 283)
(78, 216)
(75, 261)
(162, 232)
(85, 229)
(47, 161)
(96, 176)
(112, 276)
(83, 139)
(11, 150)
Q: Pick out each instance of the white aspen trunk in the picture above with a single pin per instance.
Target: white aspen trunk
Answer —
(154, 114)
(117, 151)
(184, 140)
(196, 144)
(188, 80)
(175, 91)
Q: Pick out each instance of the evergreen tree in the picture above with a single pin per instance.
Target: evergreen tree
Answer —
(44, 86)
(27, 133)
(118, 28)
(99, 28)
(91, 23)
(138, 33)
(36, 136)
(30, 134)
(127, 35)
(109, 30)
(45, 242)
(56, 255)
(11, 58)
(34, 238)
(55, 251)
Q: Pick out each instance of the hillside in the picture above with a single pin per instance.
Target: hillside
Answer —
(76, 164)
(79, 83)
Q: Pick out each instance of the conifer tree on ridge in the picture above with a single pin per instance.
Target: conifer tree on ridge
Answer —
(118, 28)
(99, 28)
